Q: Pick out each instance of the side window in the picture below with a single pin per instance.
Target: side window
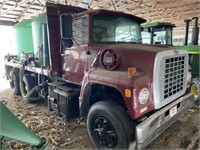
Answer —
(80, 30)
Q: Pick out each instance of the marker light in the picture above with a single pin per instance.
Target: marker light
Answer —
(131, 72)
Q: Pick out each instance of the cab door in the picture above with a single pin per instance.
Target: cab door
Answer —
(75, 57)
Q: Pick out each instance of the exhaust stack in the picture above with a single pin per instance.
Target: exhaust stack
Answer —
(195, 32)
(186, 31)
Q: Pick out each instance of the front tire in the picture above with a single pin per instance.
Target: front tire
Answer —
(109, 126)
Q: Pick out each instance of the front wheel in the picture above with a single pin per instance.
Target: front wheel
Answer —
(109, 126)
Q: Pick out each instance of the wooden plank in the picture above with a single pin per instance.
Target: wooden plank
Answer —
(74, 2)
(7, 23)
(192, 6)
(35, 13)
(2, 5)
(13, 7)
(25, 10)
(189, 12)
(100, 3)
(190, 16)
(176, 4)
(169, 13)
(128, 5)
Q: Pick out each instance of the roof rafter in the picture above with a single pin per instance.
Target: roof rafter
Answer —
(13, 7)
(25, 10)
(2, 4)
(7, 23)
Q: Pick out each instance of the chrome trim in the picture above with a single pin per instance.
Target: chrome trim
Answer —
(159, 77)
(157, 123)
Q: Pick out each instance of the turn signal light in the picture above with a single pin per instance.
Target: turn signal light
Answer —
(128, 93)
(131, 72)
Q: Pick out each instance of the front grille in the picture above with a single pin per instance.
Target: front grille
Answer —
(174, 73)
(170, 76)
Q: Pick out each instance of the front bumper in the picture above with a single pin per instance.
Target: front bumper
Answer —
(157, 123)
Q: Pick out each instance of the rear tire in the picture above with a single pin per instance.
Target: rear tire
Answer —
(29, 83)
(15, 83)
(109, 126)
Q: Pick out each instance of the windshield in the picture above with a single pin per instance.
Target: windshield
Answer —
(162, 36)
(112, 28)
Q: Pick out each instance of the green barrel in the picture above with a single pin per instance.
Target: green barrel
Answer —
(23, 37)
(37, 34)
(45, 46)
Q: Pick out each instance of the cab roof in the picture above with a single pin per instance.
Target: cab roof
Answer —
(118, 13)
(153, 24)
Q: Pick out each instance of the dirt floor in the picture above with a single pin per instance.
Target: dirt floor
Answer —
(184, 134)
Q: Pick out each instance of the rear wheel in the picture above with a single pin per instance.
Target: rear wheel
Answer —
(109, 126)
(29, 84)
(14, 84)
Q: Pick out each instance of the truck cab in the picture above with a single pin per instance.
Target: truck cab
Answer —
(91, 31)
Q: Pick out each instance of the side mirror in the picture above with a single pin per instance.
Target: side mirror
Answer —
(66, 29)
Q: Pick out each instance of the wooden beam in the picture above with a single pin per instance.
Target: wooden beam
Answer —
(135, 4)
(25, 10)
(7, 23)
(176, 4)
(13, 7)
(100, 3)
(36, 13)
(167, 13)
(74, 2)
(2, 5)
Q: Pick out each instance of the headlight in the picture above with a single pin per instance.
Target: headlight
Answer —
(143, 96)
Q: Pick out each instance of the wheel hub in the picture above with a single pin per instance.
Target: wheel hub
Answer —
(105, 132)
(195, 91)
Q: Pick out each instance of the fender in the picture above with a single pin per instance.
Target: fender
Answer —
(118, 80)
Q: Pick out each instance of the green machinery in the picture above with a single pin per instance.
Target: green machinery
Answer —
(23, 43)
(12, 128)
(162, 33)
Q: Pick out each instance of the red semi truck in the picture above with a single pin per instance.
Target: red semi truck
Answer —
(98, 68)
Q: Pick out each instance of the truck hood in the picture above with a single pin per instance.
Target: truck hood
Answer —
(140, 56)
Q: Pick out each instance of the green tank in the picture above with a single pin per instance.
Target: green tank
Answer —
(38, 35)
(23, 37)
